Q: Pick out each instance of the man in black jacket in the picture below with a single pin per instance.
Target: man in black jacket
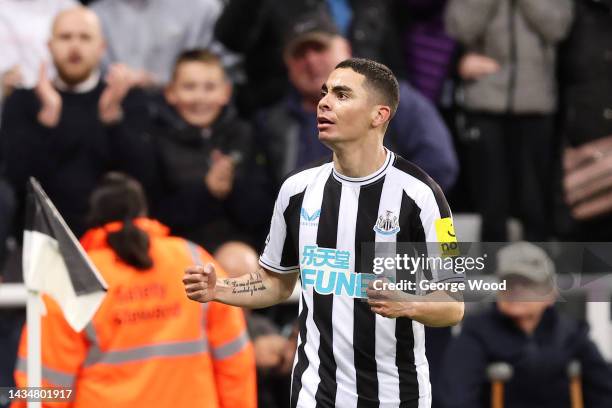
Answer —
(67, 132)
(525, 331)
(71, 129)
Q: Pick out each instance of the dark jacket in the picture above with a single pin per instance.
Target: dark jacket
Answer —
(540, 363)
(70, 158)
(586, 73)
(184, 151)
(7, 209)
(178, 192)
(428, 49)
(417, 133)
(257, 29)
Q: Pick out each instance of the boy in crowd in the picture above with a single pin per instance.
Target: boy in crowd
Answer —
(205, 158)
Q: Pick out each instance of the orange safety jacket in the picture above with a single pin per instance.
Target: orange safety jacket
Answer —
(148, 345)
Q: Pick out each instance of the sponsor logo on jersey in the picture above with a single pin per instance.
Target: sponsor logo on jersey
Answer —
(310, 219)
(339, 283)
(327, 271)
(387, 224)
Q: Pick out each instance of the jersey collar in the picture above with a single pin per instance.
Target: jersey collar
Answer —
(371, 178)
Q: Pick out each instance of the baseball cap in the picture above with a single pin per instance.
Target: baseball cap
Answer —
(526, 260)
(312, 27)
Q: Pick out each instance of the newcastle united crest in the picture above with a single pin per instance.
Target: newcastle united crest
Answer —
(387, 224)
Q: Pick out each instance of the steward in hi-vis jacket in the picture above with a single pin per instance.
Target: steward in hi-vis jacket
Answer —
(148, 345)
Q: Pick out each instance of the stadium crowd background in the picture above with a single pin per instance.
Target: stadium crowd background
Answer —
(506, 104)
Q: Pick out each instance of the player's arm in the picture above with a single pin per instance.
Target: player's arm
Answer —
(439, 308)
(261, 288)
(436, 309)
(270, 284)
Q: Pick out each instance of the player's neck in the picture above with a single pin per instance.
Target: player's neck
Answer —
(359, 162)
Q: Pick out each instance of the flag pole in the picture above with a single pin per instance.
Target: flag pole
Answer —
(54, 264)
(33, 318)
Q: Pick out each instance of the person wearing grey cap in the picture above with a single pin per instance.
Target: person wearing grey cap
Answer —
(530, 278)
(288, 129)
(256, 29)
(524, 330)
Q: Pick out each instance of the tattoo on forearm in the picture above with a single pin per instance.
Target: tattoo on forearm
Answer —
(250, 286)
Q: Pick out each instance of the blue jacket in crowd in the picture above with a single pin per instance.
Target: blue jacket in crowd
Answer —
(540, 363)
(417, 132)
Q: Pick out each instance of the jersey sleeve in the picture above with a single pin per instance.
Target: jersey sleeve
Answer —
(440, 237)
(279, 254)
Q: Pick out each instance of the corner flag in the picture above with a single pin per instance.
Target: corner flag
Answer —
(54, 262)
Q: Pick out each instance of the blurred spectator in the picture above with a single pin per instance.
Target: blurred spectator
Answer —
(524, 330)
(274, 352)
(288, 129)
(586, 62)
(428, 50)
(264, 23)
(147, 345)
(509, 94)
(148, 35)
(24, 32)
(70, 130)
(7, 210)
(10, 319)
(206, 184)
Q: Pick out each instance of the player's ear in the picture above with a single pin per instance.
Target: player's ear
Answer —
(380, 115)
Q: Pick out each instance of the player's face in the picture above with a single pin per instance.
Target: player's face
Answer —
(198, 92)
(345, 110)
(76, 45)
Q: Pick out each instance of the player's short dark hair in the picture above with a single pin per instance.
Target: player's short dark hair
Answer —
(197, 55)
(378, 77)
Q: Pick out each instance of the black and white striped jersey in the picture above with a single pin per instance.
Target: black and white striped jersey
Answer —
(347, 355)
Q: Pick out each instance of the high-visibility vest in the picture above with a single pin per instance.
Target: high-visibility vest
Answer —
(148, 345)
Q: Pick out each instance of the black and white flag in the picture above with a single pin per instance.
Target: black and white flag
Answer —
(54, 262)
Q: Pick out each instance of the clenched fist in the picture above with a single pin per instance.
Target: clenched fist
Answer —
(200, 283)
